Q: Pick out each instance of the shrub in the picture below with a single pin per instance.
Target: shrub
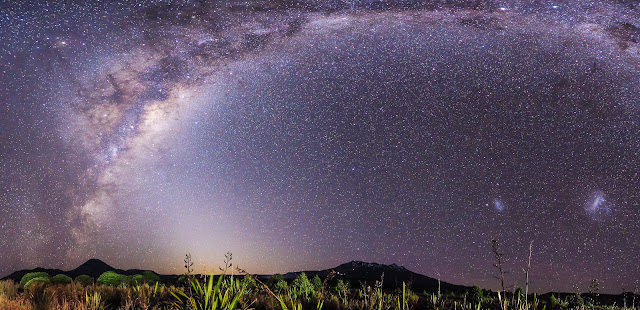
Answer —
(84, 279)
(342, 288)
(32, 275)
(35, 290)
(317, 283)
(575, 301)
(273, 280)
(110, 278)
(334, 301)
(249, 281)
(475, 296)
(277, 283)
(302, 286)
(182, 281)
(60, 279)
(125, 281)
(42, 280)
(137, 279)
(518, 294)
(281, 286)
(150, 277)
(411, 298)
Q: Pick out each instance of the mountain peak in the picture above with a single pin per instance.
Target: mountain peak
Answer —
(94, 262)
(93, 267)
(397, 267)
(361, 264)
(392, 276)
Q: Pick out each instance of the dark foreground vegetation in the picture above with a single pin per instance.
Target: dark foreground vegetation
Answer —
(38, 290)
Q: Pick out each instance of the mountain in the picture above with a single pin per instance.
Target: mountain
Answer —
(93, 268)
(357, 271)
(17, 275)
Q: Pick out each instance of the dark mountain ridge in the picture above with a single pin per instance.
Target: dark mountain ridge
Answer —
(359, 272)
(356, 272)
(93, 268)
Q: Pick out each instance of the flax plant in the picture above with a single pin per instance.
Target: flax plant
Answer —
(209, 296)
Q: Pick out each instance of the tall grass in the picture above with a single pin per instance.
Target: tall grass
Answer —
(75, 296)
(224, 295)
(226, 292)
(8, 289)
(230, 293)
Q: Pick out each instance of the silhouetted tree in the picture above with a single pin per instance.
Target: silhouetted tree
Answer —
(526, 273)
(495, 247)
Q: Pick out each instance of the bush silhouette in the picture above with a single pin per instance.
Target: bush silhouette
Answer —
(342, 288)
(277, 282)
(302, 286)
(150, 277)
(137, 279)
(281, 286)
(575, 301)
(84, 279)
(249, 281)
(317, 283)
(274, 279)
(35, 289)
(475, 296)
(182, 280)
(42, 280)
(60, 279)
(110, 278)
(126, 281)
(32, 275)
(518, 294)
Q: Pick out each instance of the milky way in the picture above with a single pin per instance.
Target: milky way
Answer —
(301, 135)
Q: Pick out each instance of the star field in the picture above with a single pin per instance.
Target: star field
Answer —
(302, 135)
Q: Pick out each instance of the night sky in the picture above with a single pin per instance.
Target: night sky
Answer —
(303, 135)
